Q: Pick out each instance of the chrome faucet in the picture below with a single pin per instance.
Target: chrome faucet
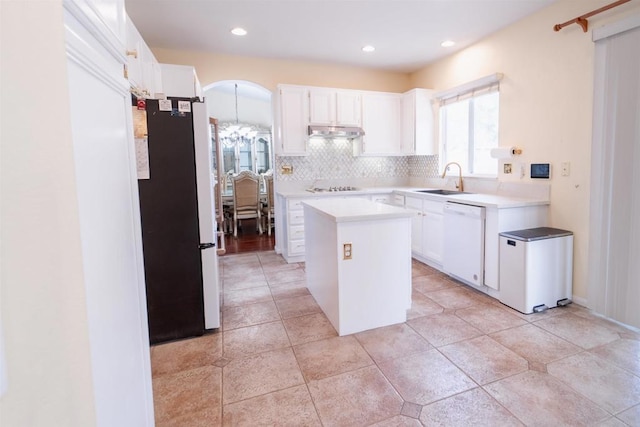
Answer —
(459, 186)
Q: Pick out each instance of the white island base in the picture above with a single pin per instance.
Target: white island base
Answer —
(373, 287)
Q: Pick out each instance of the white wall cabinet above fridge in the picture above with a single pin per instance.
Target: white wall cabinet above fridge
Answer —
(335, 107)
(143, 70)
(180, 81)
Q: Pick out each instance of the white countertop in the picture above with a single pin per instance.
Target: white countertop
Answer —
(355, 209)
(477, 199)
(358, 192)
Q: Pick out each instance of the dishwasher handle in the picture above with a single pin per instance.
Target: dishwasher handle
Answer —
(473, 211)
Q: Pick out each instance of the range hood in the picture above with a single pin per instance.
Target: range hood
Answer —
(348, 132)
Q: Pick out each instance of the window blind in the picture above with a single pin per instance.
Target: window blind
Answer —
(471, 89)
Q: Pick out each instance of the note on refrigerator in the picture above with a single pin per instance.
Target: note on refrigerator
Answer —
(142, 157)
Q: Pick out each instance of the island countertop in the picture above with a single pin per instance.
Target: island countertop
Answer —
(356, 209)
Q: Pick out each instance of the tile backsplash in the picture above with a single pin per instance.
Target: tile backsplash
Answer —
(334, 160)
(423, 166)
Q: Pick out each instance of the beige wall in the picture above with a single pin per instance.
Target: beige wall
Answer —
(42, 299)
(545, 103)
(269, 73)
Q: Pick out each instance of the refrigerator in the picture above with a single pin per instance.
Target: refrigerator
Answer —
(178, 220)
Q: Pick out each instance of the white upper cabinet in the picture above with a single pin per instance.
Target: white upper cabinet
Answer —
(417, 123)
(322, 106)
(382, 124)
(334, 107)
(180, 81)
(291, 120)
(395, 124)
(107, 15)
(348, 108)
(142, 67)
(134, 63)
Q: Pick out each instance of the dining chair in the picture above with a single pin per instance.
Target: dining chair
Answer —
(223, 216)
(268, 209)
(246, 199)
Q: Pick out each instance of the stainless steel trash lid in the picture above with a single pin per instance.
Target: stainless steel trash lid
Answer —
(539, 233)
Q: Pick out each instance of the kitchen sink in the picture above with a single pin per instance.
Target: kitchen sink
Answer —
(443, 192)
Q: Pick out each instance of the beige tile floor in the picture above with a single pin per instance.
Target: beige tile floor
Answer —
(461, 359)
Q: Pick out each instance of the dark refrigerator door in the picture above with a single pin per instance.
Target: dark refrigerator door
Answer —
(170, 234)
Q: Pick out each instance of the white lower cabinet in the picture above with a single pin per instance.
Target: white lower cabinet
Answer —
(427, 229)
(290, 242)
(295, 230)
(371, 287)
(433, 231)
(397, 199)
(428, 232)
(386, 198)
(415, 204)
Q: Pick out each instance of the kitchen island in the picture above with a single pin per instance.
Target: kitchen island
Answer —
(358, 262)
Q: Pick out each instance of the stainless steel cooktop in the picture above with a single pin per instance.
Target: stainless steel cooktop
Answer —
(332, 189)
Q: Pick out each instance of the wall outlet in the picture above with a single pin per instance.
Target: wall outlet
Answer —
(286, 169)
(346, 251)
(565, 168)
(507, 168)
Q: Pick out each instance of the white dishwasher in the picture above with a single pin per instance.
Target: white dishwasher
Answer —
(463, 256)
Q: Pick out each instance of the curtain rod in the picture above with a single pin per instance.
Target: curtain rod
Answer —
(582, 19)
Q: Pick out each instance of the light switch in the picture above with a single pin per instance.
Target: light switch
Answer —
(346, 251)
(565, 168)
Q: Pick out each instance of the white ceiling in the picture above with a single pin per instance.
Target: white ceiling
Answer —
(406, 33)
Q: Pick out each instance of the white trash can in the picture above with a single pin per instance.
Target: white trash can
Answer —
(536, 268)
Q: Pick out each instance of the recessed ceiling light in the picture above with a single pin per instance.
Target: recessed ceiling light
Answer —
(239, 31)
(368, 48)
(447, 43)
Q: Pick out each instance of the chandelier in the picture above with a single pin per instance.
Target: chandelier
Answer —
(233, 134)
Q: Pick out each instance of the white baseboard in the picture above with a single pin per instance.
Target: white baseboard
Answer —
(579, 300)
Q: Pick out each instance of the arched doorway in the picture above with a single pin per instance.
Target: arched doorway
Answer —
(243, 106)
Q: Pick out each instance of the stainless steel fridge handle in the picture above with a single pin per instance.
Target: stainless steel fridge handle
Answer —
(202, 246)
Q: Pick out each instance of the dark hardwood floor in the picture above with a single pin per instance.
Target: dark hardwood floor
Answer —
(248, 239)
